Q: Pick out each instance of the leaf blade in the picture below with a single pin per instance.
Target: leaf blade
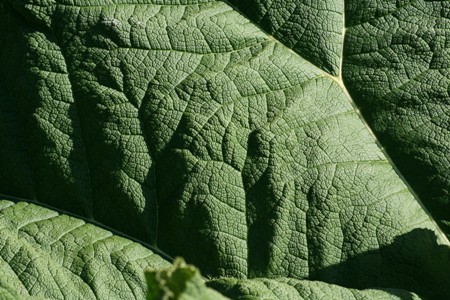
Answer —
(55, 256)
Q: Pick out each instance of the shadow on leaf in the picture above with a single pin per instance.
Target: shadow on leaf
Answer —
(413, 262)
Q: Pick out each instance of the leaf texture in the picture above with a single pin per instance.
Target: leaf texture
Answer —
(286, 288)
(403, 90)
(313, 29)
(184, 125)
(46, 254)
(181, 281)
(394, 63)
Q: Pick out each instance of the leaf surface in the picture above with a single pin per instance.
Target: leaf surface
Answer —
(393, 60)
(181, 281)
(288, 288)
(46, 254)
(186, 126)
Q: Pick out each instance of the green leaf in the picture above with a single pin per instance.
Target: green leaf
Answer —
(287, 288)
(8, 292)
(311, 28)
(196, 129)
(181, 281)
(394, 63)
(403, 91)
(46, 254)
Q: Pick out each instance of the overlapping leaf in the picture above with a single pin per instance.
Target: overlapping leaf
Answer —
(56, 256)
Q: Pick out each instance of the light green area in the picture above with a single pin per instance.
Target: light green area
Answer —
(393, 57)
(184, 282)
(396, 65)
(46, 254)
(186, 126)
(313, 29)
(286, 288)
(181, 281)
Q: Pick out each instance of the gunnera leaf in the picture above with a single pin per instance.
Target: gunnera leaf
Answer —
(223, 136)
